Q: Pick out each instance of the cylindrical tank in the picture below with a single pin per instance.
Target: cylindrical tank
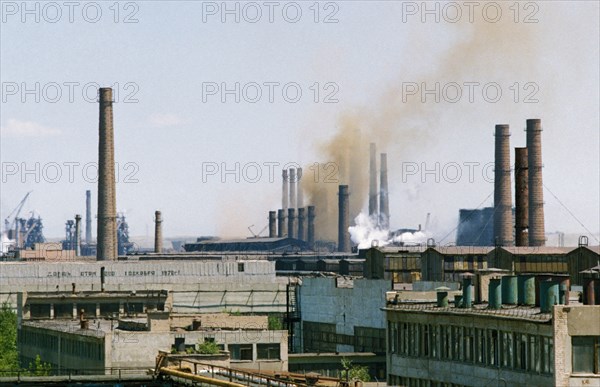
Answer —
(458, 300)
(589, 294)
(495, 293)
(509, 289)
(549, 295)
(526, 289)
(442, 298)
(563, 288)
(467, 300)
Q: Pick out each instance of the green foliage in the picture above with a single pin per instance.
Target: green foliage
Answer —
(39, 368)
(275, 323)
(9, 357)
(208, 348)
(354, 372)
(190, 350)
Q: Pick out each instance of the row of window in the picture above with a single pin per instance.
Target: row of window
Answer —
(321, 337)
(67, 347)
(263, 351)
(486, 347)
(394, 380)
(586, 354)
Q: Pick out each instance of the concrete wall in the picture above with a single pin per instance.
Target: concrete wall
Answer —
(323, 301)
(198, 287)
(569, 321)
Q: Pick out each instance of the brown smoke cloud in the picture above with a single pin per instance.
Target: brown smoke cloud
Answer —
(482, 51)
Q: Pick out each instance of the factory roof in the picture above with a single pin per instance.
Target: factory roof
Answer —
(534, 250)
(462, 250)
(97, 328)
(507, 312)
(250, 244)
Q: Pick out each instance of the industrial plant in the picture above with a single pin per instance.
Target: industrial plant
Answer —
(286, 308)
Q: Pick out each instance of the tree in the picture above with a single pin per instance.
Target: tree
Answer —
(208, 347)
(9, 357)
(354, 372)
(39, 368)
(275, 323)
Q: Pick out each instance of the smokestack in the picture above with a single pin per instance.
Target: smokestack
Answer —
(503, 231)
(537, 234)
(272, 224)
(384, 204)
(300, 197)
(158, 240)
(292, 189)
(284, 190)
(292, 224)
(310, 237)
(521, 197)
(88, 216)
(344, 219)
(281, 224)
(107, 206)
(372, 180)
(77, 235)
(301, 217)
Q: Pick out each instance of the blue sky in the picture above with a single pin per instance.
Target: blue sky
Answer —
(165, 132)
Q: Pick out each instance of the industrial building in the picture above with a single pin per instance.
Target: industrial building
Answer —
(97, 346)
(506, 341)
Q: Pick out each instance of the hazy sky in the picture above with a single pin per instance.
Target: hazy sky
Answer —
(175, 65)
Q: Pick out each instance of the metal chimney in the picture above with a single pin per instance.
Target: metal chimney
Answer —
(521, 197)
(292, 175)
(88, 216)
(272, 224)
(77, 235)
(344, 219)
(281, 224)
(310, 232)
(384, 204)
(537, 235)
(301, 216)
(292, 224)
(503, 229)
(158, 239)
(284, 190)
(372, 180)
(107, 207)
(300, 197)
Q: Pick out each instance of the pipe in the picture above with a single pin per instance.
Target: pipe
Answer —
(158, 242)
(272, 224)
(292, 175)
(301, 234)
(77, 235)
(521, 197)
(537, 235)
(107, 207)
(503, 232)
(310, 237)
(384, 204)
(343, 219)
(281, 225)
(88, 216)
(292, 224)
(300, 196)
(284, 190)
(199, 378)
(372, 180)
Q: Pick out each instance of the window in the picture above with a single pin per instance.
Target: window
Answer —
(586, 353)
(267, 351)
(240, 267)
(240, 351)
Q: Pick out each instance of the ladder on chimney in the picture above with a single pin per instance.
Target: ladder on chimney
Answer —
(292, 315)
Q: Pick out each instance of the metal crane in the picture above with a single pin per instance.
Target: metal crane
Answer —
(8, 224)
